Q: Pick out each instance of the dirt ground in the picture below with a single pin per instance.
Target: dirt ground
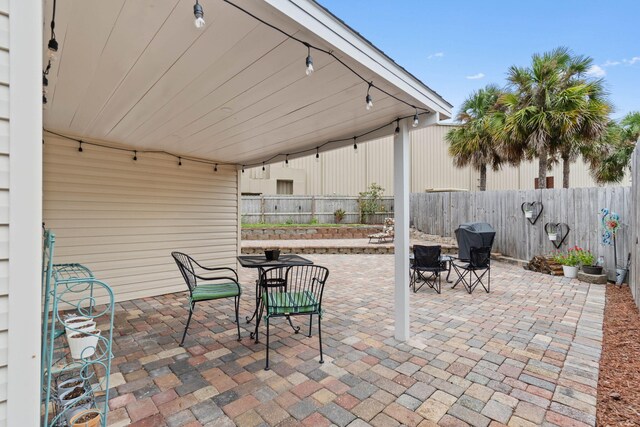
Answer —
(619, 382)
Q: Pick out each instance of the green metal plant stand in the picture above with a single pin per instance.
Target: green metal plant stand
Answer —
(77, 330)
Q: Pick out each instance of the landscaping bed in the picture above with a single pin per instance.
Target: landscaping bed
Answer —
(618, 395)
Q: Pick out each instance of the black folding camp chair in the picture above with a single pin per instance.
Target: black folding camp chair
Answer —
(427, 267)
(479, 262)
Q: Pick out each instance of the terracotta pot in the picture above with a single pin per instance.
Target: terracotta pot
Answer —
(92, 422)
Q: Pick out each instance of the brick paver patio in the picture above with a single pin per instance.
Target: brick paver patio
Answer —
(526, 354)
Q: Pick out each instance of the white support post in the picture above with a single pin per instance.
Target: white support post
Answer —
(25, 214)
(401, 240)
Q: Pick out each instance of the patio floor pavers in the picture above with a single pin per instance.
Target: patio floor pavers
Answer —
(525, 354)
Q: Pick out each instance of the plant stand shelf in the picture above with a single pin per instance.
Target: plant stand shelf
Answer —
(71, 290)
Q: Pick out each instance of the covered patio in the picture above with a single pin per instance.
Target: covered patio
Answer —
(526, 354)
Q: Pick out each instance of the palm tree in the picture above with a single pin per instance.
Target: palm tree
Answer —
(474, 142)
(610, 158)
(553, 109)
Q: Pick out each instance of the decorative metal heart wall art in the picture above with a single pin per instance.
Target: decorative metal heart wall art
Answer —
(532, 211)
(557, 232)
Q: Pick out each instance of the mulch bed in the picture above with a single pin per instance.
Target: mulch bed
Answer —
(619, 381)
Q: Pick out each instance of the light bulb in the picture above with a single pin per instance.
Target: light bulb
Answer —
(286, 161)
(369, 101)
(52, 56)
(416, 121)
(317, 156)
(198, 12)
(309, 65)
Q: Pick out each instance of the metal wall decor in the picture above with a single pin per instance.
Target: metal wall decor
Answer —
(532, 211)
(557, 232)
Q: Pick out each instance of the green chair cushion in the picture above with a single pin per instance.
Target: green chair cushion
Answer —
(290, 302)
(215, 291)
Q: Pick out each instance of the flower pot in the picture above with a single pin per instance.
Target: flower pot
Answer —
(83, 344)
(621, 273)
(272, 255)
(88, 418)
(78, 323)
(553, 236)
(570, 271)
(75, 408)
(528, 214)
(592, 269)
(70, 395)
(70, 384)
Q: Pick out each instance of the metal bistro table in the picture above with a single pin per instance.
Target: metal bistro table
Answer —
(261, 263)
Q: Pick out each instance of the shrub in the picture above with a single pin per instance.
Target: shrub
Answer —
(369, 202)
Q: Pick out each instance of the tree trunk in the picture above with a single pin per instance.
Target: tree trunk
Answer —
(566, 166)
(542, 168)
(483, 177)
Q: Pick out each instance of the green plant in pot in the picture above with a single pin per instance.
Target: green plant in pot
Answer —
(587, 261)
(570, 262)
(339, 215)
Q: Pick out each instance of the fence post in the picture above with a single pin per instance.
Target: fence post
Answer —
(313, 207)
(262, 219)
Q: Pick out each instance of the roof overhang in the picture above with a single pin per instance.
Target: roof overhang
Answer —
(138, 73)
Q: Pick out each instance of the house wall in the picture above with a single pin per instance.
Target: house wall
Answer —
(345, 173)
(122, 218)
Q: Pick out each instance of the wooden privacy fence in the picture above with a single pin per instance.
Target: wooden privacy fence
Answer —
(302, 209)
(441, 213)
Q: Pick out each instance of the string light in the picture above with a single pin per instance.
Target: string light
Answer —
(286, 161)
(44, 100)
(262, 166)
(368, 99)
(179, 161)
(242, 168)
(330, 53)
(397, 131)
(416, 121)
(355, 146)
(198, 12)
(215, 167)
(309, 61)
(80, 146)
(53, 43)
(135, 155)
(317, 154)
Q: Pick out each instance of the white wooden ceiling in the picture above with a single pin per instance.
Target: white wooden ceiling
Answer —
(138, 73)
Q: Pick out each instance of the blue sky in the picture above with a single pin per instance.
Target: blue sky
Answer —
(458, 47)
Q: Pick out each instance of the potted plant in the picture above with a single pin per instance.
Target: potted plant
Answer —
(70, 384)
(70, 395)
(78, 323)
(339, 215)
(272, 254)
(528, 211)
(83, 344)
(73, 408)
(570, 262)
(88, 418)
(587, 260)
(553, 232)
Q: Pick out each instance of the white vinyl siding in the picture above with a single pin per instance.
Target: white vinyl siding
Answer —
(4, 206)
(122, 218)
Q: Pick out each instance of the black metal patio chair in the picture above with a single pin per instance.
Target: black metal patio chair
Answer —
(222, 284)
(299, 295)
(479, 261)
(427, 267)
